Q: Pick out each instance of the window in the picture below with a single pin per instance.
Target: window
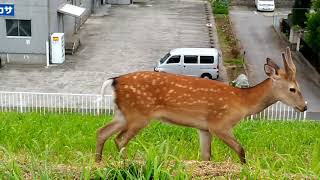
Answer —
(164, 58)
(206, 60)
(174, 59)
(18, 27)
(191, 59)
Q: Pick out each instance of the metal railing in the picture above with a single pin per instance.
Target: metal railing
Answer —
(93, 104)
(55, 103)
(279, 111)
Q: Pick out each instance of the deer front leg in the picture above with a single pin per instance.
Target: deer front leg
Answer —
(227, 137)
(205, 144)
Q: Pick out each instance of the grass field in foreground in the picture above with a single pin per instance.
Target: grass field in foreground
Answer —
(62, 146)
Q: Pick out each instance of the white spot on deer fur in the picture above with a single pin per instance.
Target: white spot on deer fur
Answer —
(171, 91)
(225, 107)
(126, 86)
(133, 89)
(220, 99)
(134, 77)
(233, 93)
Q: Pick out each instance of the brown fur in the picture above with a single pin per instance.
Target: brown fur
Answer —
(210, 106)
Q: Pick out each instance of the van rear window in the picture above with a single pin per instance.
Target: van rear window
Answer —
(206, 60)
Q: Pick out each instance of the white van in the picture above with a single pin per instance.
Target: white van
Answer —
(198, 62)
(265, 5)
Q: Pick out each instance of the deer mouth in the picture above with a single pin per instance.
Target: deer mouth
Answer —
(300, 109)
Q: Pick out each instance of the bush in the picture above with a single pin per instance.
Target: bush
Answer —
(220, 6)
(299, 12)
(313, 26)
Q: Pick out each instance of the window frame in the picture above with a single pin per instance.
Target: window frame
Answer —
(18, 36)
(184, 59)
(206, 56)
(172, 57)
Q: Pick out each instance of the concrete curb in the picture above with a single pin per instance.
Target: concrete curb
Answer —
(214, 40)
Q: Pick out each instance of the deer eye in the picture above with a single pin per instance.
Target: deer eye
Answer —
(293, 90)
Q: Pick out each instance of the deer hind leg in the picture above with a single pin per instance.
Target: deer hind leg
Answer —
(227, 137)
(129, 132)
(205, 143)
(107, 131)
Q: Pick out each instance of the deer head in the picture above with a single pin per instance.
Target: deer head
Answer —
(285, 86)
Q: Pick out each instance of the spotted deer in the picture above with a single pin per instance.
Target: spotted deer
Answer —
(212, 107)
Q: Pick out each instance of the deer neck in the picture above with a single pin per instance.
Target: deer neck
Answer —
(259, 97)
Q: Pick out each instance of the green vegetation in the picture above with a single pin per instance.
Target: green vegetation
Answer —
(62, 146)
(220, 6)
(299, 12)
(313, 26)
(230, 47)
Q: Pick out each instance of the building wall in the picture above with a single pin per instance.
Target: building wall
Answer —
(34, 10)
(45, 20)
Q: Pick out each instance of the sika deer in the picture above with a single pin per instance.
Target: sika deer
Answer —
(210, 106)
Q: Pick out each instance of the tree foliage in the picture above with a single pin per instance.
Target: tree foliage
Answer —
(313, 26)
(299, 12)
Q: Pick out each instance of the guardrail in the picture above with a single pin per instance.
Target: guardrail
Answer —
(94, 104)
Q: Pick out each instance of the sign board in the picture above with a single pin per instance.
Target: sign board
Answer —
(55, 38)
(6, 9)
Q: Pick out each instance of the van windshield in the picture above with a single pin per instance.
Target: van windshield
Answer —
(162, 60)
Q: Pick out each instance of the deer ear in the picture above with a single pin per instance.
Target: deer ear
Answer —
(289, 66)
(271, 69)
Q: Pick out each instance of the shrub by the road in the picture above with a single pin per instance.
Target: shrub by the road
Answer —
(220, 6)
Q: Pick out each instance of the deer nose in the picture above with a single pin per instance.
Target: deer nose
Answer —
(305, 108)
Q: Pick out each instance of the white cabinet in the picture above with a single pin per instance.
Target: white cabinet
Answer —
(57, 48)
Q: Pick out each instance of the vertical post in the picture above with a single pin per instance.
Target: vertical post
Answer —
(98, 105)
(20, 97)
(109, 99)
(48, 53)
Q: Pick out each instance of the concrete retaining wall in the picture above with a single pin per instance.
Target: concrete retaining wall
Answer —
(279, 3)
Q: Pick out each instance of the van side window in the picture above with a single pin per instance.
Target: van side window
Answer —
(206, 59)
(191, 59)
(174, 60)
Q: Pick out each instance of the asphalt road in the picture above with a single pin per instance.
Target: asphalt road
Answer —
(258, 39)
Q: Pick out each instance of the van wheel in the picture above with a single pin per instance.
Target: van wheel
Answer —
(206, 76)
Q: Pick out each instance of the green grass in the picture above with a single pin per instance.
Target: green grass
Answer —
(62, 146)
